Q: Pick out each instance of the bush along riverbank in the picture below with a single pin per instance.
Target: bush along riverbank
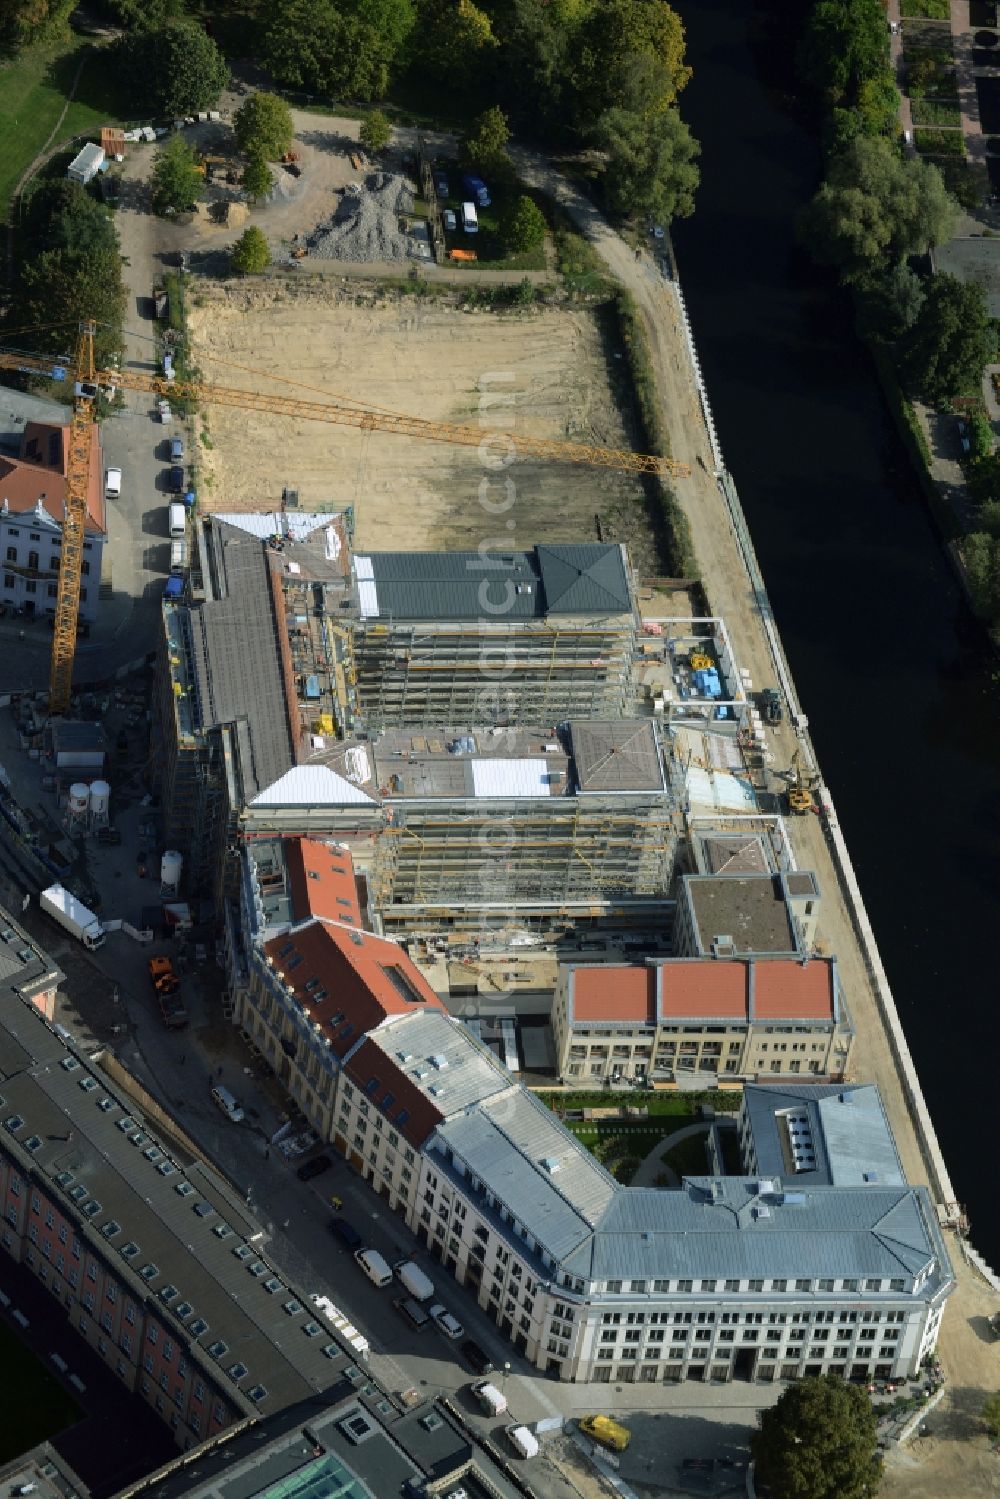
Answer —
(877, 216)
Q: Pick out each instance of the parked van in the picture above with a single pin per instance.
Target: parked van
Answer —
(470, 219)
(490, 1398)
(226, 1101)
(412, 1311)
(113, 484)
(176, 521)
(374, 1266)
(178, 556)
(523, 1441)
(413, 1278)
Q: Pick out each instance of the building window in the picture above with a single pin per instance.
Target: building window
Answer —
(12, 556)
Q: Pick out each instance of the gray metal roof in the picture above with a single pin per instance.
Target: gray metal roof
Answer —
(237, 658)
(744, 1233)
(570, 579)
(96, 1152)
(469, 1073)
(616, 755)
(846, 1128)
(770, 1225)
(534, 1167)
(587, 579)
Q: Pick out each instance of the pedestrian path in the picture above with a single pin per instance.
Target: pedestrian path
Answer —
(968, 99)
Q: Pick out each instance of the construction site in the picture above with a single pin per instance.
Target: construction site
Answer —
(542, 372)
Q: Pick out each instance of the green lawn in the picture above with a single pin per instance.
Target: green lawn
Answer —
(34, 1406)
(689, 1157)
(621, 1145)
(931, 112)
(32, 94)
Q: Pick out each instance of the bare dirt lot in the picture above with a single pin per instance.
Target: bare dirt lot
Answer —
(549, 369)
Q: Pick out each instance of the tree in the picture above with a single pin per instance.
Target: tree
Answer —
(620, 42)
(250, 253)
(651, 164)
(311, 45)
(25, 21)
(256, 179)
(177, 182)
(875, 206)
(138, 15)
(522, 226)
(981, 555)
(376, 132)
(174, 69)
(951, 342)
(450, 40)
(484, 147)
(71, 265)
(819, 1442)
(263, 126)
(846, 43)
(888, 301)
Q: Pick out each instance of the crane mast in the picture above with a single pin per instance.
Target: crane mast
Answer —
(74, 525)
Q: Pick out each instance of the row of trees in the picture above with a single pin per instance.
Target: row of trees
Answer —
(599, 73)
(69, 258)
(876, 217)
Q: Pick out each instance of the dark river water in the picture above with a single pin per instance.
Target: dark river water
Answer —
(893, 672)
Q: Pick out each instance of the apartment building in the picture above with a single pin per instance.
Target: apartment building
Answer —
(768, 1275)
(32, 509)
(670, 1017)
(157, 1262)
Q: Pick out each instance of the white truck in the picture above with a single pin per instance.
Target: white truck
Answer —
(73, 915)
(419, 1285)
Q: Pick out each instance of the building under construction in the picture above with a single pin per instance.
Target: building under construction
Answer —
(525, 827)
(490, 638)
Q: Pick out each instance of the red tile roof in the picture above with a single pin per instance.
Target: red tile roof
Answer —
(785, 990)
(321, 877)
(348, 981)
(609, 992)
(394, 1093)
(32, 476)
(705, 987)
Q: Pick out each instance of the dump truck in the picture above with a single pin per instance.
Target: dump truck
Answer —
(166, 983)
(73, 916)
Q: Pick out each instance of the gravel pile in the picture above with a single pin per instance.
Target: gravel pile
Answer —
(366, 224)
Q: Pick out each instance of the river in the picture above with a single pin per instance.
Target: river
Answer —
(894, 674)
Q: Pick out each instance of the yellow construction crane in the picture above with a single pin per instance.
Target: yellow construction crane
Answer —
(89, 383)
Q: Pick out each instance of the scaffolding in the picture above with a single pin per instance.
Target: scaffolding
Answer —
(409, 674)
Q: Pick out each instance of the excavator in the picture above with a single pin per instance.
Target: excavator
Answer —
(90, 383)
(800, 798)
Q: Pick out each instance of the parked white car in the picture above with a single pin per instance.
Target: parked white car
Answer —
(163, 412)
(446, 1323)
